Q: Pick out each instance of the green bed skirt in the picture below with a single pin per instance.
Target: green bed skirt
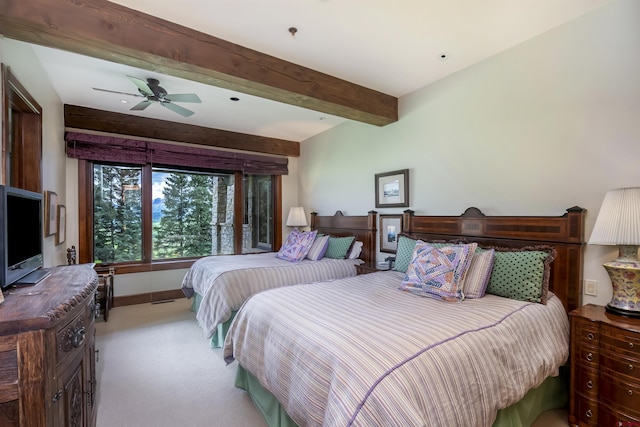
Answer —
(552, 394)
(217, 340)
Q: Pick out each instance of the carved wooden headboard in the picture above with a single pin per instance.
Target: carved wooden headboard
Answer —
(565, 233)
(363, 227)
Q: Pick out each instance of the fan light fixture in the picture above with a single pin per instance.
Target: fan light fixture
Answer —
(618, 223)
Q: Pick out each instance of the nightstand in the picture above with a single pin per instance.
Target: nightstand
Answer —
(105, 290)
(605, 368)
(369, 267)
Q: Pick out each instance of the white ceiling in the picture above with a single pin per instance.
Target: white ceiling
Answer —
(394, 47)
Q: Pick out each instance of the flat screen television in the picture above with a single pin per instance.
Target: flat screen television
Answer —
(21, 236)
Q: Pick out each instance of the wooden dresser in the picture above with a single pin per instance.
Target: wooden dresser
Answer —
(605, 368)
(47, 351)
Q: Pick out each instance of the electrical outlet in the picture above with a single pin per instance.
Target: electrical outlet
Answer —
(591, 287)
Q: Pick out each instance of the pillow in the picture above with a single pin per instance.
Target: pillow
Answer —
(522, 274)
(438, 272)
(404, 252)
(318, 248)
(477, 277)
(297, 245)
(355, 250)
(339, 247)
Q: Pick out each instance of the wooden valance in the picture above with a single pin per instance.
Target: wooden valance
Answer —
(104, 148)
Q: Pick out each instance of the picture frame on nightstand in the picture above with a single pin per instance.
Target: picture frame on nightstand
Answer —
(390, 228)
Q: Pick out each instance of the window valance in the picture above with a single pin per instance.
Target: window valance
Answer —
(122, 150)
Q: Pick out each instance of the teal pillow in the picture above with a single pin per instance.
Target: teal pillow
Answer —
(338, 247)
(522, 274)
(404, 253)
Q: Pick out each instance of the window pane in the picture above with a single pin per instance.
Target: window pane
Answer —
(192, 214)
(117, 214)
(258, 214)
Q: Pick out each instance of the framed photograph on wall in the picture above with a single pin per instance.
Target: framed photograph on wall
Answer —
(62, 225)
(50, 213)
(392, 189)
(390, 227)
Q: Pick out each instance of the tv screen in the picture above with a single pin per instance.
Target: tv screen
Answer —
(21, 234)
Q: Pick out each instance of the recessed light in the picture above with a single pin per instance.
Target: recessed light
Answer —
(443, 56)
(124, 101)
(234, 98)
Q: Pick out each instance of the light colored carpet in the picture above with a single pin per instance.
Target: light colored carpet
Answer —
(156, 369)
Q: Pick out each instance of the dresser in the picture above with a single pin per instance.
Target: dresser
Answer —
(605, 368)
(47, 351)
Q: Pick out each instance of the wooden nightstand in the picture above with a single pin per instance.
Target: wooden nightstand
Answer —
(605, 368)
(368, 267)
(105, 290)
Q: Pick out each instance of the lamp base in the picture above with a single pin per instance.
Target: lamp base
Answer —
(622, 312)
(625, 279)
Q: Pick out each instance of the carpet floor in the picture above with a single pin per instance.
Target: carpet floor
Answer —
(155, 368)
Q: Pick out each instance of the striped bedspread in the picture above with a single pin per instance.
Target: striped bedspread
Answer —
(359, 352)
(224, 282)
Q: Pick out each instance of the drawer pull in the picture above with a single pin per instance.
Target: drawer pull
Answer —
(630, 392)
(590, 357)
(589, 414)
(630, 345)
(631, 367)
(590, 336)
(589, 384)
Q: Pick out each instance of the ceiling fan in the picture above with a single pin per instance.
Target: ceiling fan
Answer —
(153, 92)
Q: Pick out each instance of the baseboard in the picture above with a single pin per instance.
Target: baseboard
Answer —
(147, 298)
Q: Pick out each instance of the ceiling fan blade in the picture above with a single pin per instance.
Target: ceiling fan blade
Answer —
(178, 109)
(121, 93)
(183, 97)
(141, 106)
(142, 85)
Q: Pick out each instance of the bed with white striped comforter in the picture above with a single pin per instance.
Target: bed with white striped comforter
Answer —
(225, 281)
(359, 352)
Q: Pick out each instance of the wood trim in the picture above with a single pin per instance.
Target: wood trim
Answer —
(148, 297)
(364, 227)
(109, 31)
(127, 125)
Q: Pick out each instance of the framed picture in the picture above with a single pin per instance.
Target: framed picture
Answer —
(390, 227)
(392, 189)
(62, 225)
(50, 213)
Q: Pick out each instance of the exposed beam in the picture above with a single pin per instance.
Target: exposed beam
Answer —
(109, 31)
(123, 124)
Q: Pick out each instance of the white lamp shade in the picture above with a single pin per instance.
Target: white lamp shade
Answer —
(297, 217)
(618, 221)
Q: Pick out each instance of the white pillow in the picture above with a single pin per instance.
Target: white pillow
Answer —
(355, 250)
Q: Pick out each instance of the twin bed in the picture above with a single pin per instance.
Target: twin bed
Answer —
(219, 285)
(359, 352)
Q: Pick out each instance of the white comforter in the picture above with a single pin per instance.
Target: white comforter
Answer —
(224, 282)
(359, 352)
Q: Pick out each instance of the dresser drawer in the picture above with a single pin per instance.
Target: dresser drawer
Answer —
(587, 355)
(620, 341)
(610, 417)
(70, 338)
(586, 331)
(620, 365)
(586, 411)
(586, 382)
(619, 393)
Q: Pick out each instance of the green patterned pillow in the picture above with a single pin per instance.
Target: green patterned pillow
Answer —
(404, 252)
(339, 247)
(522, 274)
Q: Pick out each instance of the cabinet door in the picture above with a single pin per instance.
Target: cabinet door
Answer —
(71, 407)
(90, 375)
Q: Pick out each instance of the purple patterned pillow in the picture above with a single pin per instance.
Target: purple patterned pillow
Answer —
(438, 272)
(297, 245)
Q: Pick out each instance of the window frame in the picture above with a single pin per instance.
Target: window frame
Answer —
(85, 220)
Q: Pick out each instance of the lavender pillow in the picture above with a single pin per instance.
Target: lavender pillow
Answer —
(297, 245)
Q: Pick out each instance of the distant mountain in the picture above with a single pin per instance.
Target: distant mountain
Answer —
(156, 209)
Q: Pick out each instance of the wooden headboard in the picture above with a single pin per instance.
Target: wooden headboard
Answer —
(565, 233)
(363, 227)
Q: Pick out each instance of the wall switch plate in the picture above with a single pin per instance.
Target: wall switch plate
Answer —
(591, 288)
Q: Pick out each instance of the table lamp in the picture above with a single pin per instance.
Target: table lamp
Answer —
(618, 223)
(297, 217)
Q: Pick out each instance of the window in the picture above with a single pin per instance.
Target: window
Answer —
(143, 215)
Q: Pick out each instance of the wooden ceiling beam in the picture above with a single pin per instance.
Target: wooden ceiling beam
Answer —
(133, 126)
(109, 31)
